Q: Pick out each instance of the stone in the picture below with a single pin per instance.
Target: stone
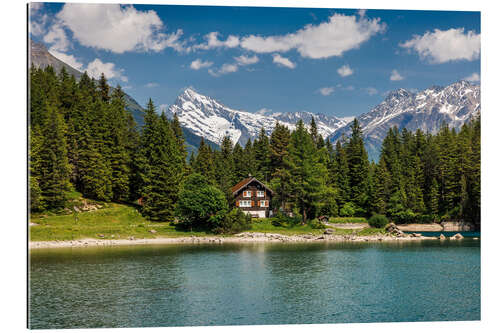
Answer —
(457, 237)
(329, 231)
(442, 237)
(153, 231)
(417, 235)
(100, 236)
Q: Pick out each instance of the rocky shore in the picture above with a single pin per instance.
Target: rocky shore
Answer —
(393, 234)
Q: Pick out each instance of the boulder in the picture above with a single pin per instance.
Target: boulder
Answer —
(329, 231)
(442, 237)
(153, 231)
(457, 237)
(416, 235)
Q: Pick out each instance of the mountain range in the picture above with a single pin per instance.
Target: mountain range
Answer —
(203, 116)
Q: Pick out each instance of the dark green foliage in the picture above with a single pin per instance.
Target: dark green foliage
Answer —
(235, 221)
(306, 173)
(378, 221)
(201, 204)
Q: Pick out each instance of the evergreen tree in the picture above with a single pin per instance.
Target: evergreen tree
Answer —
(357, 159)
(306, 173)
(54, 167)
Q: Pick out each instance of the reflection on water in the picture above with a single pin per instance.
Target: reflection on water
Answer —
(231, 284)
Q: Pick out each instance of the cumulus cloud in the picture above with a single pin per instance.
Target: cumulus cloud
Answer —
(243, 60)
(474, 77)
(96, 67)
(371, 91)
(441, 46)
(57, 38)
(395, 76)
(325, 91)
(151, 85)
(198, 64)
(225, 69)
(345, 71)
(117, 28)
(213, 41)
(282, 61)
(339, 34)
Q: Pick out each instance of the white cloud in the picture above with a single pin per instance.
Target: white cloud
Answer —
(57, 38)
(325, 91)
(371, 91)
(117, 28)
(243, 60)
(474, 77)
(198, 64)
(214, 42)
(345, 71)
(96, 67)
(395, 76)
(151, 85)
(350, 88)
(339, 34)
(278, 59)
(225, 69)
(362, 12)
(446, 45)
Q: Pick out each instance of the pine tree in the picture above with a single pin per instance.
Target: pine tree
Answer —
(357, 159)
(306, 173)
(342, 174)
(204, 163)
(262, 157)
(54, 166)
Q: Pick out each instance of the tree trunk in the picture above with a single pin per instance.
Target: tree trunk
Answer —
(304, 216)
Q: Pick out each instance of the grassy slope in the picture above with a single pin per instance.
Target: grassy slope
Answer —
(117, 221)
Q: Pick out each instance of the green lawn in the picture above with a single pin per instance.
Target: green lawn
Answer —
(114, 222)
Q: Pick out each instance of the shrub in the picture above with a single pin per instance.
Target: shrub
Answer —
(378, 221)
(316, 224)
(201, 204)
(348, 210)
(233, 222)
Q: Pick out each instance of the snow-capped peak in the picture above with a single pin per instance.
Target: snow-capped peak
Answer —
(208, 118)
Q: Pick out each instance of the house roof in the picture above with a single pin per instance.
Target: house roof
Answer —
(236, 188)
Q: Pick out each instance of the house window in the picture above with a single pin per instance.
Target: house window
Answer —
(264, 203)
(260, 194)
(247, 194)
(245, 203)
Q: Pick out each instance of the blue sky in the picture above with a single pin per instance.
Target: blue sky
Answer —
(333, 61)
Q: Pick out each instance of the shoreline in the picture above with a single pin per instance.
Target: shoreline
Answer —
(246, 237)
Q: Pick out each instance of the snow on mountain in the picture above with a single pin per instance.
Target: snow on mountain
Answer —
(425, 110)
(210, 119)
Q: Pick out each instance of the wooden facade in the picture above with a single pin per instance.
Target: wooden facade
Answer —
(253, 197)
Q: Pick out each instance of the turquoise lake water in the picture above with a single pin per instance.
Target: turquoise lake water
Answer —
(241, 284)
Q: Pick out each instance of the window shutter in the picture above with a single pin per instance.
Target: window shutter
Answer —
(237, 203)
(251, 203)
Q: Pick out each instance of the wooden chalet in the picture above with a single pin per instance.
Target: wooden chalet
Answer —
(253, 197)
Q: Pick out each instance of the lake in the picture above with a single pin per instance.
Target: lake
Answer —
(265, 283)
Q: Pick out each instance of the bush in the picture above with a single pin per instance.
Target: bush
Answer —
(348, 210)
(201, 204)
(316, 224)
(378, 221)
(233, 222)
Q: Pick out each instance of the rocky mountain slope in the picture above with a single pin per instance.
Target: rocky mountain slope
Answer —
(208, 118)
(427, 110)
